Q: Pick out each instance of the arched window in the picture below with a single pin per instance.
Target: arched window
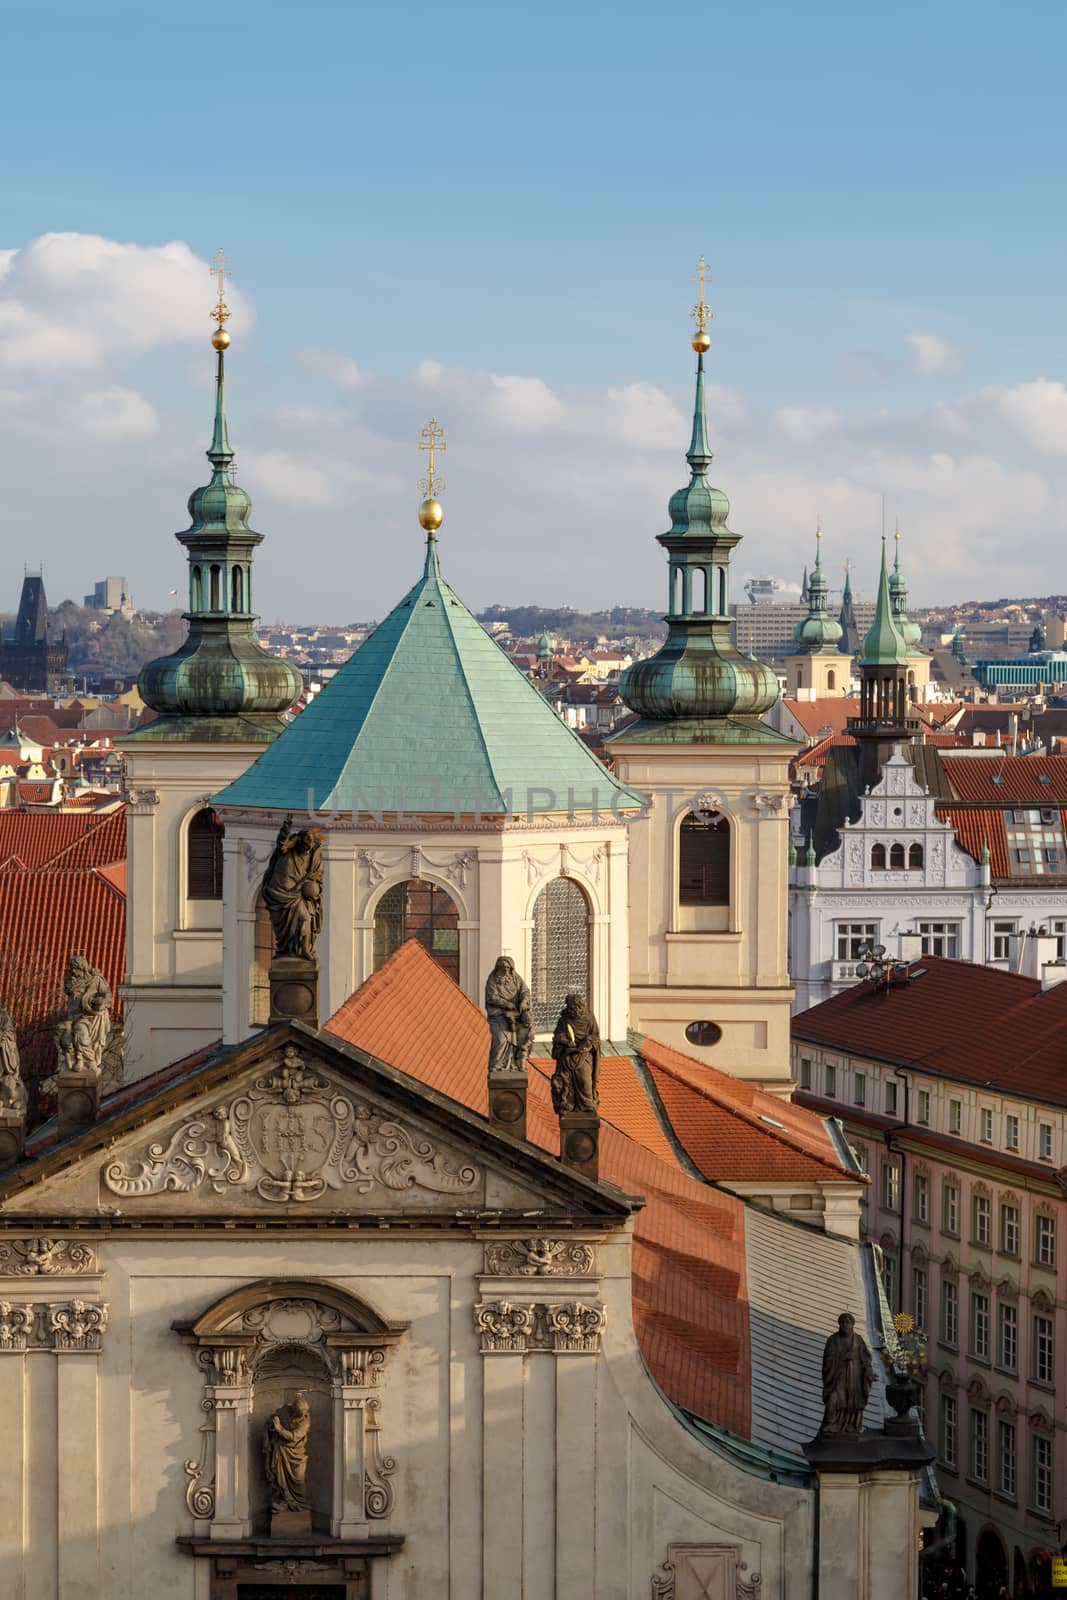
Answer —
(421, 911)
(831, 679)
(700, 591)
(559, 963)
(915, 855)
(896, 858)
(203, 856)
(720, 573)
(198, 592)
(237, 590)
(877, 857)
(677, 590)
(704, 861)
(216, 574)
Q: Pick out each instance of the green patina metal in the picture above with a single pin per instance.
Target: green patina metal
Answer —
(430, 716)
(818, 634)
(884, 645)
(698, 678)
(910, 631)
(221, 685)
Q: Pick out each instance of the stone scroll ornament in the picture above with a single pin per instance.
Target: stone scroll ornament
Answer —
(539, 1258)
(291, 1137)
(21, 1258)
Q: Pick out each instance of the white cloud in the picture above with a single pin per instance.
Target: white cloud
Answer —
(1038, 412)
(930, 353)
(802, 424)
(523, 405)
(288, 478)
(642, 416)
(336, 368)
(68, 300)
(115, 414)
(429, 374)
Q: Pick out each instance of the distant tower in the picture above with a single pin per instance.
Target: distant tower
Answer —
(815, 667)
(850, 636)
(30, 661)
(884, 691)
(804, 588)
(544, 656)
(219, 700)
(708, 860)
(919, 661)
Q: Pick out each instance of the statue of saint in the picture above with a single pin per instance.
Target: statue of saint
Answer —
(576, 1052)
(12, 1088)
(83, 1034)
(847, 1376)
(507, 1005)
(285, 1456)
(292, 891)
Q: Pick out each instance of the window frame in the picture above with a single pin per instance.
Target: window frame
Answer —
(949, 1314)
(1007, 1336)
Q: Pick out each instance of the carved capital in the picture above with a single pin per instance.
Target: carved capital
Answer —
(16, 1326)
(76, 1325)
(21, 1258)
(503, 1325)
(142, 802)
(575, 1325)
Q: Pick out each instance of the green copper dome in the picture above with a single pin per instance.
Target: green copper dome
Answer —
(698, 675)
(220, 684)
(818, 634)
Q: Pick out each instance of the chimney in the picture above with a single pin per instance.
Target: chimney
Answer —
(1040, 949)
(911, 946)
(1052, 973)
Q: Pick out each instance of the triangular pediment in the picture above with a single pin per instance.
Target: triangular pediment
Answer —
(295, 1124)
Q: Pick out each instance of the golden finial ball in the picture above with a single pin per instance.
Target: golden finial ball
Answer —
(220, 339)
(431, 514)
(702, 342)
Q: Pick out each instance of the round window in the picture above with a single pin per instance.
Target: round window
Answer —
(703, 1033)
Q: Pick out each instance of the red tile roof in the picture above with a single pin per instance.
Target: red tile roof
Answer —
(690, 1297)
(83, 839)
(970, 1023)
(832, 711)
(1007, 780)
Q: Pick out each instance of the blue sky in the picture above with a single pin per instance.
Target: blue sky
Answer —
(493, 215)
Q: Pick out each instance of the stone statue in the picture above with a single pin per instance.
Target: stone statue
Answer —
(285, 1456)
(847, 1376)
(576, 1052)
(292, 891)
(83, 1034)
(507, 1006)
(12, 1088)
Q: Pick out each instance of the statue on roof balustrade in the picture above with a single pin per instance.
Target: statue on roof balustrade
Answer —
(82, 1035)
(292, 891)
(12, 1088)
(576, 1052)
(847, 1377)
(508, 1008)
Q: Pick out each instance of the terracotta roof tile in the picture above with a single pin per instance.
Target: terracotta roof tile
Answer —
(1008, 779)
(36, 837)
(832, 711)
(690, 1304)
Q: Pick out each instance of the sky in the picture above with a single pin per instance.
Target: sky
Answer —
(490, 215)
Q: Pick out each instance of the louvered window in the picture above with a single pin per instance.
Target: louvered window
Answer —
(704, 862)
(204, 857)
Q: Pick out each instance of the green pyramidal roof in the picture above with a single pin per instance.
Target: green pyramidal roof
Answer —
(429, 715)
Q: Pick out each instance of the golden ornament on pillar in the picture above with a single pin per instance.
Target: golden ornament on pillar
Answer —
(220, 339)
(431, 514)
(702, 342)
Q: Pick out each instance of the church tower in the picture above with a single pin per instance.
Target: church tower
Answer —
(219, 701)
(815, 669)
(885, 660)
(708, 860)
(918, 660)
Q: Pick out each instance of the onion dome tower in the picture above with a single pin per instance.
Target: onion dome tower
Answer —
(221, 683)
(708, 860)
(818, 633)
(698, 675)
(884, 659)
(898, 594)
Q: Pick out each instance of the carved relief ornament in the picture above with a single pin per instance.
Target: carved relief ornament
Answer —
(690, 1570)
(511, 1327)
(29, 1257)
(60, 1326)
(291, 1137)
(539, 1258)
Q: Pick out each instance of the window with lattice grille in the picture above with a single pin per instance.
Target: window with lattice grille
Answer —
(559, 963)
(203, 852)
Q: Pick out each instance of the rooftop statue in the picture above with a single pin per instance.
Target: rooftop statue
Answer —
(508, 1008)
(576, 1052)
(847, 1376)
(12, 1088)
(82, 1035)
(292, 891)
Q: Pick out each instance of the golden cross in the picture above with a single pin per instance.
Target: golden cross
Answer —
(700, 310)
(220, 269)
(433, 440)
